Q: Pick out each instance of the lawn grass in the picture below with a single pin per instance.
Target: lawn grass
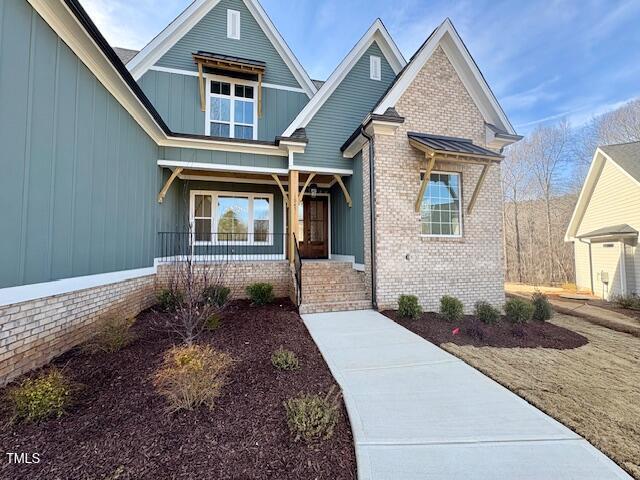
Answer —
(593, 389)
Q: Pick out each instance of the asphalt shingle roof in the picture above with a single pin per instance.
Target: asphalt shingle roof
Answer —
(125, 54)
(627, 155)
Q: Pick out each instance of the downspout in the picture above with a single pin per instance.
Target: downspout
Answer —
(372, 212)
(590, 265)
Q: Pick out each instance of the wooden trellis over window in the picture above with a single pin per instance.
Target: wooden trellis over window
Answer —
(231, 64)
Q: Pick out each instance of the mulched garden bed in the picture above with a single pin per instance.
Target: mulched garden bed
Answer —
(503, 334)
(118, 429)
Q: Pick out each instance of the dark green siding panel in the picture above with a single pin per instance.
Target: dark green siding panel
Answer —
(222, 158)
(79, 176)
(177, 99)
(210, 34)
(347, 223)
(343, 112)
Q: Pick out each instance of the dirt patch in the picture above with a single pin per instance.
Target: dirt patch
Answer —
(594, 390)
(611, 306)
(472, 331)
(118, 429)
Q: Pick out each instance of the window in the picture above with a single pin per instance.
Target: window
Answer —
(231, 108)
(440, 210)
(374, 68)
(229, 217)
(233, 24)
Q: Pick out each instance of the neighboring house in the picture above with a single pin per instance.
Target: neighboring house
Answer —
(605, 223)
(214, 140)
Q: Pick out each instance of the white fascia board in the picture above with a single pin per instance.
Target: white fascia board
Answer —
(597, 163)
(447, 37)
(190, 17)
(215, 167)
(328, 170)
(376, 32)
(65, 24)
(222, 146)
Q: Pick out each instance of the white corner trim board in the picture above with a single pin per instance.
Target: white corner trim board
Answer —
(25, 293)
(184, 22)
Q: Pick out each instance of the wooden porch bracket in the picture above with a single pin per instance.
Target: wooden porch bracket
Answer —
(168, 183)
(304, 188)
(284, 192)
(425, 180)
(202, 87)
(344, 190)
(474, 197)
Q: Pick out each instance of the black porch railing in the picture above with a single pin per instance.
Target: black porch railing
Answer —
(221, 247)
(297, 259)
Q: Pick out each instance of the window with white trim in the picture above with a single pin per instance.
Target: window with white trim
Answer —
(440, 211)
(232, 218)
(231, 108)
(374, 68)
(233, 24)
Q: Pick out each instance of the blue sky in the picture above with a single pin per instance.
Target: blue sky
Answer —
(544, 60)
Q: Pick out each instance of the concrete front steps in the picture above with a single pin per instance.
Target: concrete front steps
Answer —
(329, 286)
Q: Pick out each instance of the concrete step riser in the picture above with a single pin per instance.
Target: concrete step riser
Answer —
(334, 307)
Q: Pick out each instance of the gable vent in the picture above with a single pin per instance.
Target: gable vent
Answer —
(374, 68)
(233, 24)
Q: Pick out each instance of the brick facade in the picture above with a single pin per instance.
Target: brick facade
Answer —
(471, 267)
(34, 332)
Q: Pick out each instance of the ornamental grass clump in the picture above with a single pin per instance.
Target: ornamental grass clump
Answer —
(113, 335)
(451, 308)
(47, 395)
(283, 359)
(518, 311)
(260, 293)
(312, 416)
(191, 376)
(408, 306)
(542, 310)
(486, 313)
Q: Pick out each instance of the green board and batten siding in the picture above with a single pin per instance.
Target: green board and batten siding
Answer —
(79, 177)
(347, 223)
(177, 99)
(210, 34)
(343, 111)
(223, 158)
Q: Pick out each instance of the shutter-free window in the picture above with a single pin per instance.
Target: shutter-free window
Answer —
(233, 24)
(374, 67)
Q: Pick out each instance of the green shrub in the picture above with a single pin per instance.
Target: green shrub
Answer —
(213, 322)
(486, 313)
(518, 311)
(192, 375)
(216, 295)
(260, 293)
(168, 300)
(312, 416)
(47, 395)
(630, 302)
(542, 309)
(113, 334)
(285, 359)
(451, 308)
(408, 306)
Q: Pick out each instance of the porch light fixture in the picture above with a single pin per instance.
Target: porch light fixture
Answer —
(313, 189)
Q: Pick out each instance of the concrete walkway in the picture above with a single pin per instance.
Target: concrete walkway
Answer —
(418, 412)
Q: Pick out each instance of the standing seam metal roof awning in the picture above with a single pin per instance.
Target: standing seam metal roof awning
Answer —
(463, 147)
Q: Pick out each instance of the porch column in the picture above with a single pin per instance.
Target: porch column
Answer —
(293, 211)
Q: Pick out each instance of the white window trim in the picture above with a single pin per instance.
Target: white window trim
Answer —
(375, 67)
(233, 82)
(440, 235)
(214, 214)
(233, 16)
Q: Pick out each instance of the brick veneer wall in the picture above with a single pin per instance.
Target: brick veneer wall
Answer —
(471, 268)
(34, 332)
(239, 275)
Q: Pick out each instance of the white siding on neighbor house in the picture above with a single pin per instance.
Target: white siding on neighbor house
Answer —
(606, 259)
(615, 200)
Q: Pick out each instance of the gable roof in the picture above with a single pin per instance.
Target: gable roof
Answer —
(376, 33)
(625, 156)
(195, 12)
(447, 37)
